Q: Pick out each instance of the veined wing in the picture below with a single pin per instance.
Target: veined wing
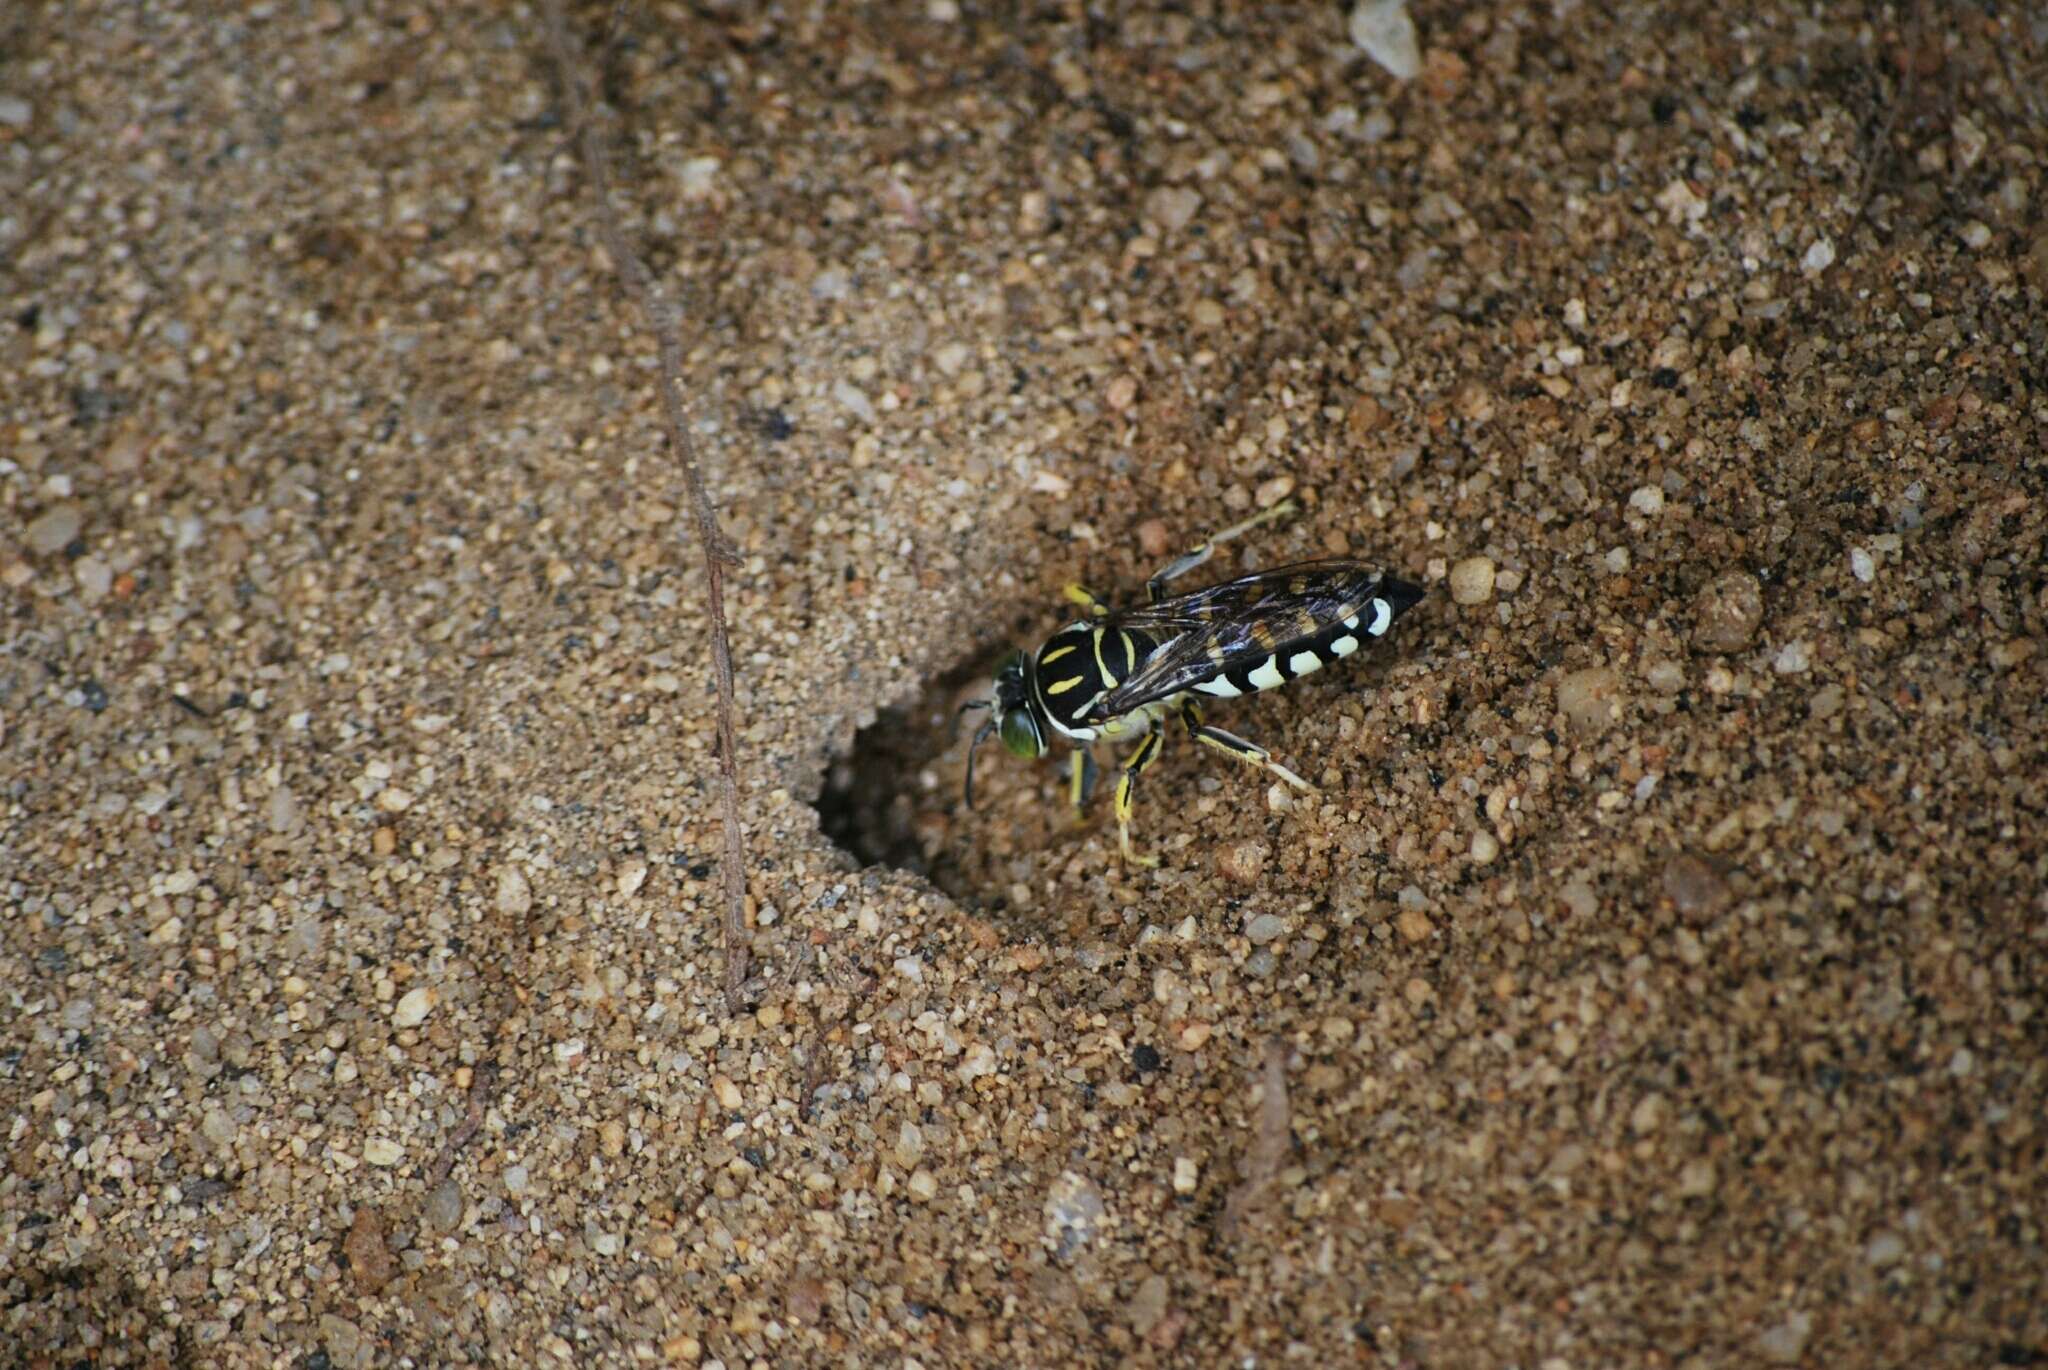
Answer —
(1207, 632)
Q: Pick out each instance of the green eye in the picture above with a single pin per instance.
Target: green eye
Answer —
(1020, 734)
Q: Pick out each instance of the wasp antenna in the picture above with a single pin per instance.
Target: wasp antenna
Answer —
(962, 711)
(981, 735)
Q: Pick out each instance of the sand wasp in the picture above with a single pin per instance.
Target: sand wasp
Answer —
(1124, 672)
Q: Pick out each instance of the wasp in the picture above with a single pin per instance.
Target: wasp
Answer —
(1122, 673)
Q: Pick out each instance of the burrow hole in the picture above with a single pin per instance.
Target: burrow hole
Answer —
(894, 799)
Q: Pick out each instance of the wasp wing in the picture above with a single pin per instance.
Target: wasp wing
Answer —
(1208, 631)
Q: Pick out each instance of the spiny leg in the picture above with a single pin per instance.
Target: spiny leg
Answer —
(1087, 601)
(1082, 782)
(1251, 753)
(1141, 756)
(1155, 588)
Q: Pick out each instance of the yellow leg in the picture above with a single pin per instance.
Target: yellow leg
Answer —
(1155, 588)
(1134, 765)
(1077, 595)
(1230, 744)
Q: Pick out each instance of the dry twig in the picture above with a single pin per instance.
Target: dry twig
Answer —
(1267, 1154)
(718, 553)
(480, 1091)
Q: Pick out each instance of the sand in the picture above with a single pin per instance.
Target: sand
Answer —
(1655, 977)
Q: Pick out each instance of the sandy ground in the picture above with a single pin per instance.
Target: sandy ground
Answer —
(1656, 978)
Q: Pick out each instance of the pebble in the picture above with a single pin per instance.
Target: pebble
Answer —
(1485, 848)
(854, 400)
(1472, 580)
(1883, 1249)
(1727, 613)
(54, 529)
(1242, 862)
(518, 1180)
(631, 877)
(1265, 928)
(515, 897)
(413, 1008)
(1695, 887)
(1647, 500)
(1148, 1305)
(1383, 29)
(443, 1208)
(1413, 925)
(1793, 658)
(95, 578)
(1785, 1344)
(382, 1151)
(1073, 1213)
(1187, 1174)
(699, 178)
(923, 1185)
(282, 813)
(217, 1127)
(1862, 565)
(1819, 257)
(1172, 207)
(16, 112)
(1592, 699)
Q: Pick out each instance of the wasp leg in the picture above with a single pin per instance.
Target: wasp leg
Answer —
(1155, 588)
(1134, 765)
(1082, 782)
(1251, 753)
(1087, 601)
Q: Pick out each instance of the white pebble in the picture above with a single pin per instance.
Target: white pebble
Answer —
(382, 1151)
(1818, 258)
(413, 1009)
(515, 896)
(1862, 565)
(1472, 580)
(851, 398)
(700, 178)
(1647, 500)
(1266, 927)
(1792, 658)
(1172, 207)
(53, 530)
(1384, 30)
(95, 578)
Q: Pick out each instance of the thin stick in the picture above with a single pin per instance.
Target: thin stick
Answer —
(1272, 1139)
(1902, 95)
(480, 1090)
(718, 552)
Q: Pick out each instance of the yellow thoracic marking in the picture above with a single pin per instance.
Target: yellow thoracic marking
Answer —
(1055, 654)
(1061, 687)
(1108, 676)
(1130, 649)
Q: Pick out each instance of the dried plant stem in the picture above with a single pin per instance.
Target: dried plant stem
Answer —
(1272, 1139)
(718, 552)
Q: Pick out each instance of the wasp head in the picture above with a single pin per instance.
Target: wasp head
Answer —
(1013, 717)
